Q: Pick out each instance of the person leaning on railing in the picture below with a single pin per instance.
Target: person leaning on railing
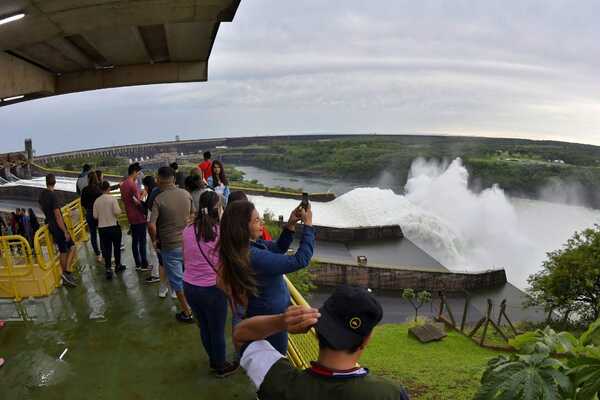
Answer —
(344, 328)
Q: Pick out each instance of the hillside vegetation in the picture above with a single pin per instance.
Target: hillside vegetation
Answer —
(521, 167)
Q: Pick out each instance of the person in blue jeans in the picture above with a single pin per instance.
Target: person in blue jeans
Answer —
(202, 264)
(171, 211)
(252, 268)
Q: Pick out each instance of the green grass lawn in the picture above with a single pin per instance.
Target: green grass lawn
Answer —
(449, 369)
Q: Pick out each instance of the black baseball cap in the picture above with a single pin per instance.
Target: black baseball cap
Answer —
(348, 316)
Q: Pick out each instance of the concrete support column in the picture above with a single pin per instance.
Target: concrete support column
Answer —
(19, 77)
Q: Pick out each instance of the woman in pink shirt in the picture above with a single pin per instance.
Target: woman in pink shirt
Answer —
(208, 302)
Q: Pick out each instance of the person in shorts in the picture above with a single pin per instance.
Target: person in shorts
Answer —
(50, 205)
(171, 212)
(344, 327)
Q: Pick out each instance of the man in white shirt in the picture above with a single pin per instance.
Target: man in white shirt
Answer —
(106, 211)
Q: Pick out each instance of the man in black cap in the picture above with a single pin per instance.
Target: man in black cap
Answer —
(344, 327)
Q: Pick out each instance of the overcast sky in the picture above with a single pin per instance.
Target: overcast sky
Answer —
(492, 68)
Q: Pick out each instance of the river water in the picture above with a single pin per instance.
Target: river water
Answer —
(464, 230)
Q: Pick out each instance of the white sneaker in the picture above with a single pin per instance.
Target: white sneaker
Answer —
(162, 291)
(173, 294)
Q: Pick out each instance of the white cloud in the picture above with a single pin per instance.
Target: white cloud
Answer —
(513, 69)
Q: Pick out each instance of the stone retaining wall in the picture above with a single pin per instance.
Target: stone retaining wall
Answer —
(331, 234)
(330, 274)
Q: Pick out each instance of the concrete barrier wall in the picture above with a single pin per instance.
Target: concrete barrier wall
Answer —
(316, 197)
(330, 234)
(330, 274)
(27, 193)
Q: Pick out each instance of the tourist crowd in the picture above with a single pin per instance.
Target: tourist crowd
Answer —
(215, 256)
(20, 222)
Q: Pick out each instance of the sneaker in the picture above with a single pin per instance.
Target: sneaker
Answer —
(162, 291)
(99, 259)
(68, 279)
(109, 275)
(183, 317)
(143, 269)
(120, 268)
(173, 294)
(228, 369)
(152, 279)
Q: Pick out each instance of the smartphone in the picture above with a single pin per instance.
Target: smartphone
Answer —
(305, 203)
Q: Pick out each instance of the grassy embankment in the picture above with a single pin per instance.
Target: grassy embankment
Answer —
(109, 165)
(449, 369)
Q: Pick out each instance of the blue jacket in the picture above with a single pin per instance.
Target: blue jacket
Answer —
(269, 261)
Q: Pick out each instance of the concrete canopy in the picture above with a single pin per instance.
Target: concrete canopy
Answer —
(66, 46)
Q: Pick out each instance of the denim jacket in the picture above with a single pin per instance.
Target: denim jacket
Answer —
(269, 261)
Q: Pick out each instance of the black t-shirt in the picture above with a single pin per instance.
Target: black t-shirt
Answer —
(180, 179)
(89, 194)
(49, 202)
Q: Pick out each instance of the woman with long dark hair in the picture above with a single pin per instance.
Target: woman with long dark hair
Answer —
(252, 268)
(218, 180)
(207, 301)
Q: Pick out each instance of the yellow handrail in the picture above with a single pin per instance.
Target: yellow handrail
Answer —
(302, 348)
(20, 268)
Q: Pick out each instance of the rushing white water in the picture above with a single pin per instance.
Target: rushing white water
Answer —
(62, 183)
(463, 229)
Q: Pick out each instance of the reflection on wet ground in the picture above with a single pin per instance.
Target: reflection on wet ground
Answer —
(121, 342)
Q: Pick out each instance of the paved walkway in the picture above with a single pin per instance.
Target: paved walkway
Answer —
(123, 343)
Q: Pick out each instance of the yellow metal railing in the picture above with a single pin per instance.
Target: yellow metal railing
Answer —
(302, 348)
(24, 273)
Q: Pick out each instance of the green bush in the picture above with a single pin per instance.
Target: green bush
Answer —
(569, 283)
(535, 372)
(417, 300)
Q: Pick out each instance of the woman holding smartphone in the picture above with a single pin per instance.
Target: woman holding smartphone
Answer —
(252, 269)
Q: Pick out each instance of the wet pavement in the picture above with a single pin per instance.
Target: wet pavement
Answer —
(121, 340)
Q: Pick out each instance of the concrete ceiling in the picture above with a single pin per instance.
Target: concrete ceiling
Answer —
(65, 46)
